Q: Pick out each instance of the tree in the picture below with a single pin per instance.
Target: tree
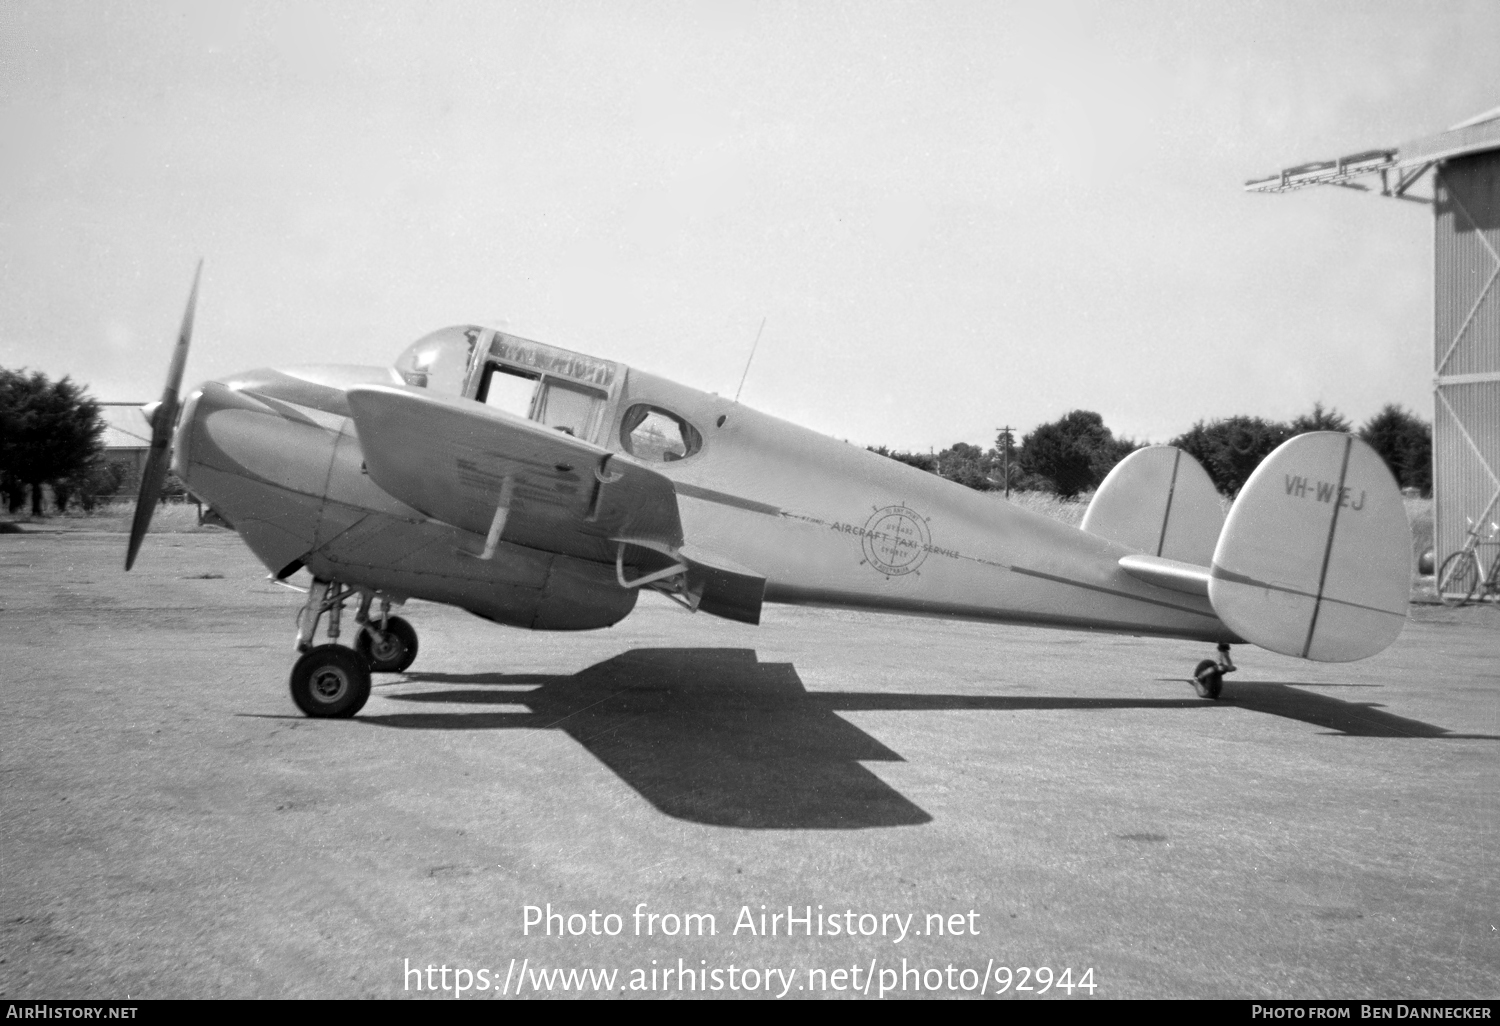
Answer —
(1231, 449)
(49, 431)
(98, 482)
(967, 465)
(1320, 420)
(1073, 453)
(12, 488)
(921, 460)
(1404, 441)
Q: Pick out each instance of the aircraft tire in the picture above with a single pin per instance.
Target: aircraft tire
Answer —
(330, 681)
(1207, 680)
(391, 653)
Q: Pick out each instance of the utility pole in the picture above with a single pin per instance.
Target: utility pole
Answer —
(1005, 445)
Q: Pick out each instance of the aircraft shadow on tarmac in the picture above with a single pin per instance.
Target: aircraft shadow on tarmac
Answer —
(715, 736)
(1354, 719)
(707, 735)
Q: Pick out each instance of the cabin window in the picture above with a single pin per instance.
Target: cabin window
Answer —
(508, 390)
(570, 409)
(653, 434)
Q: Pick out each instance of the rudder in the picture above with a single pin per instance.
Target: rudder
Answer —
(1160, 501)
(1315, 558)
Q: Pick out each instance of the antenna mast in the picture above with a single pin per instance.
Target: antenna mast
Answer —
(737, 391)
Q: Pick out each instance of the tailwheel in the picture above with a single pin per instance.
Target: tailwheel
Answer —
(1208, 676)
(330, 681)
(1207, 680)
(390, 650)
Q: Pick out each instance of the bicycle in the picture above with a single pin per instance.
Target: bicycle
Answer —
(1463, 575)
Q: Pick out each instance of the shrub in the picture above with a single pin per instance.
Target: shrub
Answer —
(1073, 453)
(1230, 450)
(1404, 441)
(921, 460)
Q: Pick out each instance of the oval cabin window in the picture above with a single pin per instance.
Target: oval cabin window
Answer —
(652, 434)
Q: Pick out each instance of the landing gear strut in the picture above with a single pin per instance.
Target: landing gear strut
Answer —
(1208, 677)
(332, 680)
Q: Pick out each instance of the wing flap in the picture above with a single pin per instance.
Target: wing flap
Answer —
(727, 589)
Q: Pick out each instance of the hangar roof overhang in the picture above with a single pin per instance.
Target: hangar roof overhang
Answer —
(125, 426)
(1399, 167)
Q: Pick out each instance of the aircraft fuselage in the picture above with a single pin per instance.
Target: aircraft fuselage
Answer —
(825, 522)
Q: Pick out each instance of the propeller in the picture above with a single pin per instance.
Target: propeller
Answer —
(163, 418)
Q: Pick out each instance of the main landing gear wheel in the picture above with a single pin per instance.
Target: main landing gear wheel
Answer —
(1208, 679)
(330, 681)
(391, 651)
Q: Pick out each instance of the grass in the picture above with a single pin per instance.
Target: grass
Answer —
(1069, 511)
(115, 517)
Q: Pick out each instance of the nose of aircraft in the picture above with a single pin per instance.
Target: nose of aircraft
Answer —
(263, 465)
(184, 433)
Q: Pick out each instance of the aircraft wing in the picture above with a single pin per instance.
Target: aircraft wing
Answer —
(503, 477)
(459, 462)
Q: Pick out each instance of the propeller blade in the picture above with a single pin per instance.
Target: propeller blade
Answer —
(163, 420)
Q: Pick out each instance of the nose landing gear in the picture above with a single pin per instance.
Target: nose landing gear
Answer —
(1208, 676)
(332, 680)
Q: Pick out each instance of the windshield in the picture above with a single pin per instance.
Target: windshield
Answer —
(439, 361)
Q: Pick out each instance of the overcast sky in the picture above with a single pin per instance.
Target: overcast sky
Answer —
(952, 216)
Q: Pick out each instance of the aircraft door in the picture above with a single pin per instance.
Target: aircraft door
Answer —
(569, 408)
(508, 390)
(566, 391)
(573, 410)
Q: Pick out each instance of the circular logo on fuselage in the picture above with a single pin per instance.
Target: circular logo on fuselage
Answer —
(896, 540)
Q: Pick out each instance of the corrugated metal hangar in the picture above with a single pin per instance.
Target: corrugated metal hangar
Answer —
(1465, 165)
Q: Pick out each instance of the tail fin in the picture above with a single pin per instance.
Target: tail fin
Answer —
(1159, 501)
(1315, 558)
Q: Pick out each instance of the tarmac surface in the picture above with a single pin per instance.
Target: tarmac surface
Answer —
(172, 827)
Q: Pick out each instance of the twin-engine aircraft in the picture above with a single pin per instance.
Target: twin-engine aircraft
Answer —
(544, 489)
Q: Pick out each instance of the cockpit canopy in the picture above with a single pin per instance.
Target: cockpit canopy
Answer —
(568, 391)
(439, 361)
(571, 392)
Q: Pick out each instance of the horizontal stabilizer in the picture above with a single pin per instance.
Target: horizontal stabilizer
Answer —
(1160, 501)
(1315, 558)
(1167, 573)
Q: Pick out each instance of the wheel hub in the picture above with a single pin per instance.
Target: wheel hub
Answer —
(329, 684)
(386, 648)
